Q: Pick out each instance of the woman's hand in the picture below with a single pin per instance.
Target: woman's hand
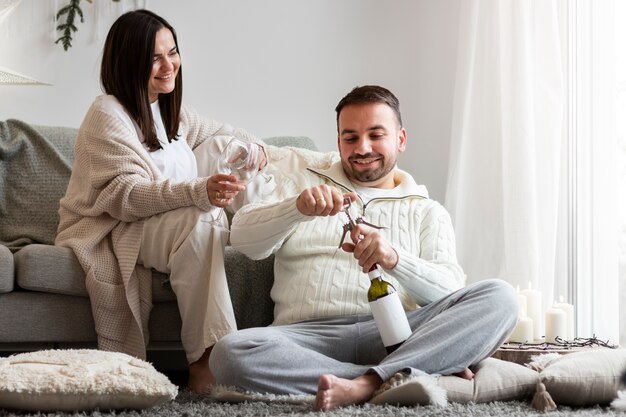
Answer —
(222, 189)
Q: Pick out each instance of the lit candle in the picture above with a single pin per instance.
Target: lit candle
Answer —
(533, 309)
(556, 320)
(569, 315)
(523, 331)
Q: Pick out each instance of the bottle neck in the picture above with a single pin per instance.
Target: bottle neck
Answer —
(374, 273)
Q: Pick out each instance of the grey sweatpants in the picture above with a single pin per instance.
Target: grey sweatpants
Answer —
(448, 336)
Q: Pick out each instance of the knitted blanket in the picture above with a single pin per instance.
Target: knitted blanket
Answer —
(35, 167)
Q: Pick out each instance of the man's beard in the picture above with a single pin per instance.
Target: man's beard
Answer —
(368, 175)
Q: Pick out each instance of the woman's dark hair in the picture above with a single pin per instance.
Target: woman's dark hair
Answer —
(125, 72)
(370, 94)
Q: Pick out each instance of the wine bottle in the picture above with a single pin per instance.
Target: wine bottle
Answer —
(387, 310)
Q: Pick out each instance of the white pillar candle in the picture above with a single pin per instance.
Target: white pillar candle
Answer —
(569, 315)
(523, 331)
(523, 304)
(556, 320)
(533, 310)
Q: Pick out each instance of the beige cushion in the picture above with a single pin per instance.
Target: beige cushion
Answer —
(584, 378)
(494, 380)
(410, 390)
(79, 380)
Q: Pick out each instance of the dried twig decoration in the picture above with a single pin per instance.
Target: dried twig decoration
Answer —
(560, 344)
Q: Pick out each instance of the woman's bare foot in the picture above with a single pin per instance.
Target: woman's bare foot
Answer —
(201, 379)
(333, 392)
(466, 374)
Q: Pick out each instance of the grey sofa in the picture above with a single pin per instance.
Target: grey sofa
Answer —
(43, 299)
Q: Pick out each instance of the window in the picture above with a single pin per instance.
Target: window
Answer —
(620, 130)
(592, 139)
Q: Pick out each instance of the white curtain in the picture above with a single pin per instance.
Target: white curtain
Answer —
(507, 139)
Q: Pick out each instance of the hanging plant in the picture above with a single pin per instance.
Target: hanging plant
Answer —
(70, 11)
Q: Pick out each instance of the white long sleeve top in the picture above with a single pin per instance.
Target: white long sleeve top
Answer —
(314, 279)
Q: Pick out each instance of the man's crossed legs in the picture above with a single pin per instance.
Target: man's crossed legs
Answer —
(342, 359)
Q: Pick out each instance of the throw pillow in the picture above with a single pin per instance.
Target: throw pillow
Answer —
(494, 380)
(33, 177)
(405, 390)
(583, 378)
(79, 380)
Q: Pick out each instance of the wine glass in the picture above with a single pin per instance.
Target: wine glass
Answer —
(240, 159)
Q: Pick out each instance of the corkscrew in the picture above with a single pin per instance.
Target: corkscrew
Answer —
(351, 222)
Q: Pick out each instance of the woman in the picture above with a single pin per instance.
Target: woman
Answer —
(135, 200)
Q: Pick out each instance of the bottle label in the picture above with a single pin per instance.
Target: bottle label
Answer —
(391, 319)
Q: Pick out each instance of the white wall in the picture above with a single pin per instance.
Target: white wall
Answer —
(274, 67)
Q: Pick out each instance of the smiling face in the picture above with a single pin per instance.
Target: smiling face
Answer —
(165, 65)
(370, 139)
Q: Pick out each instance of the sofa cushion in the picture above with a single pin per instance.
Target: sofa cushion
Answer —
(39, 317)
(49, 269)
(55, 269)
(296, 141)
(7, 274)
(35, 317)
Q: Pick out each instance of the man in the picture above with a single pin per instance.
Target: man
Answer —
(324, 339)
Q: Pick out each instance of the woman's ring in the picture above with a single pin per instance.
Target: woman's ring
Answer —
(317, 200)
(218, 195)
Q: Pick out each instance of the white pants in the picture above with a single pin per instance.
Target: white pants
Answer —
(188, 244)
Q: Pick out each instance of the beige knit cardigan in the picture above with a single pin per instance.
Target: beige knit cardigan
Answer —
(114, 186)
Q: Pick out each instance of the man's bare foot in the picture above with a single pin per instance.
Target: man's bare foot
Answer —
(201, 379)
(333, 392)
(465, 374)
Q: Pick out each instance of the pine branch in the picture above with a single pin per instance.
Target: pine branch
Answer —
(71, 10)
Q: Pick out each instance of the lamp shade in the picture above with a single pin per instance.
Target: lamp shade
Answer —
(8, 77)
(6, 6)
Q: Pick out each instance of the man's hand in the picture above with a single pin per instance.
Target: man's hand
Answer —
(321, 200)
(370, 248)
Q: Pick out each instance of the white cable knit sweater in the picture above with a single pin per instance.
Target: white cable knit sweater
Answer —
(313, 279)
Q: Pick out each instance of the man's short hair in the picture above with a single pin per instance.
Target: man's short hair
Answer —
(370, 94)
